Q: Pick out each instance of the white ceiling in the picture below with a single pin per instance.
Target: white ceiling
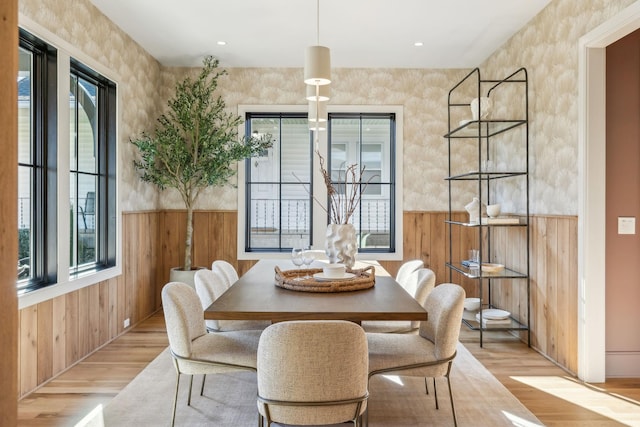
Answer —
(360, 33)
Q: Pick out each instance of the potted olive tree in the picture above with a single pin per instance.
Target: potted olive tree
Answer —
(195, 144)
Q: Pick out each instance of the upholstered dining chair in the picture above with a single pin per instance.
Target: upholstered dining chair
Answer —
(419, 283)
(430, 353)
(195, 351)
(227, 270)
(210, 285)
(407, 268)
(312, 373)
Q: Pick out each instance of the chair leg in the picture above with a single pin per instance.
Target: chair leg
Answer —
(453, 410)
(175, 399)
(190, 387)
(426, 386)
(435, 392)
(204, 378)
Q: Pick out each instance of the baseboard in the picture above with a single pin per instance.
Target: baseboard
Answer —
(622, 364)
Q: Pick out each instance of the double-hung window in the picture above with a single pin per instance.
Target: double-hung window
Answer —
(37, 114)
(283, 198)
(53, 151)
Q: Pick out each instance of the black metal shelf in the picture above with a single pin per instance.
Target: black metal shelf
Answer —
(512, 131)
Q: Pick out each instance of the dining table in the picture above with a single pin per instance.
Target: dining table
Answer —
(255, 296)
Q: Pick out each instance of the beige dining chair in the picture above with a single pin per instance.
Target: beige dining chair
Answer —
(226, 270)
(419, 283)
(407, 268)
(194, 351)
(312, 373)
(209, 286)
(430, 353)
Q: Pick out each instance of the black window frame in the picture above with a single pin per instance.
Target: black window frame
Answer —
(43, 209)
(105, 198)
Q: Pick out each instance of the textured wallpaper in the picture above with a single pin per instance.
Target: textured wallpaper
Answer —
(547, 47)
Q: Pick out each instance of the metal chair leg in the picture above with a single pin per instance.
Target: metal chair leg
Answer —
(190, 387)
(175, 399)
(204, 378)
(435, 392)
(453, 410)
(426, 386)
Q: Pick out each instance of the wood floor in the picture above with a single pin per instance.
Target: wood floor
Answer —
(556, 398)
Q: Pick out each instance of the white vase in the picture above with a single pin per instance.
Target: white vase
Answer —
(177, 274)
(340, 244)
(481, 108)
(475, 210)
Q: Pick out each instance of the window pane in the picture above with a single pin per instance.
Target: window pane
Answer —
(25, 223)
(25, 107)
(278, 184)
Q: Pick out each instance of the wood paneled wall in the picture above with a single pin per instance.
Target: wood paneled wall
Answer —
(57, 333)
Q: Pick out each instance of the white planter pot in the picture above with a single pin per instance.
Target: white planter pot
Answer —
(177, 274)
(340, 244)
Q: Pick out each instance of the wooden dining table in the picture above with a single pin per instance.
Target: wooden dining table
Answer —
(255, 296)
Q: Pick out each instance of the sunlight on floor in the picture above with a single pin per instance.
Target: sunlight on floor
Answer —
(618, 408)
(92, 419)
(518, 421)
(394, 378)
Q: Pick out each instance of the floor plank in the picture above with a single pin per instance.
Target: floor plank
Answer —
(554, 396)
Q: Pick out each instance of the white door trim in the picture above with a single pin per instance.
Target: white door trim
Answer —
(591, 192)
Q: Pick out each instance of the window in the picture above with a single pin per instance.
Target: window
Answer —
(92, 138)
(90, 212)
(277, 186)
(36, 163)
(281, 192)
(367, 140)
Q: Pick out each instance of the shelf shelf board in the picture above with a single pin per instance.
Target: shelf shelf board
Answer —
(522, 223)
(515, 326)
(477, 273)
(483, 128)
(476, 175)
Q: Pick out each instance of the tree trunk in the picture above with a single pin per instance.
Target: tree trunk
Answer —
(188, 239)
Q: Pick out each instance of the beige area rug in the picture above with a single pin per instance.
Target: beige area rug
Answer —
(230, 400)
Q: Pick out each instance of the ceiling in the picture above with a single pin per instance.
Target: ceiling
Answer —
(360, 33)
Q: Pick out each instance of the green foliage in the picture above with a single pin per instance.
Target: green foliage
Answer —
(196, 143)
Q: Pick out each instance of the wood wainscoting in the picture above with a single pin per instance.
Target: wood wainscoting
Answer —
(58, 333)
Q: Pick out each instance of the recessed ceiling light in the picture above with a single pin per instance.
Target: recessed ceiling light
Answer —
(418, 44)
(222, 43)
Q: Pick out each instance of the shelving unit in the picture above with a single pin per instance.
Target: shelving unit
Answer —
(500, 145)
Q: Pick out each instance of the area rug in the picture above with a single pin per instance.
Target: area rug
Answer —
(230, 400)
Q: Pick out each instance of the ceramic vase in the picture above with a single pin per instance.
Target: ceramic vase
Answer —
(481, 108)
(340, 244)
(475, 210)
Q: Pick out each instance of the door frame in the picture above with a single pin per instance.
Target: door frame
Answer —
(591, 191)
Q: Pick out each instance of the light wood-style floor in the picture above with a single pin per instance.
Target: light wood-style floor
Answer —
(555, 397)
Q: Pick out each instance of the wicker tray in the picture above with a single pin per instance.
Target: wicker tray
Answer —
(293, 279)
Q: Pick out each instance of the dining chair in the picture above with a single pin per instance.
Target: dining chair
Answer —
(419, 284)
(312, 373)
(407, 268)
(227, 270)
(209, 286)
(430, 353)
(194, 351)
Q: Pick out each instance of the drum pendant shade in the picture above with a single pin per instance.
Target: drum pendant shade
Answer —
(317, 65)
(324, 93)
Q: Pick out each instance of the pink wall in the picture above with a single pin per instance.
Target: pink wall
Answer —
(623, 199)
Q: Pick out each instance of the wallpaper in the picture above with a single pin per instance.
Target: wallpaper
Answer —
(547, 47)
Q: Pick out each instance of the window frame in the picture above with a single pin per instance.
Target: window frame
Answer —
(320, 219)
(66, 282)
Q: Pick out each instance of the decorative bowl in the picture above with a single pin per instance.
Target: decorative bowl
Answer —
(493, 210)
(492, 268)
(472, 304)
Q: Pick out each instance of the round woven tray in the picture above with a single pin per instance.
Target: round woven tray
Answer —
(294, 280)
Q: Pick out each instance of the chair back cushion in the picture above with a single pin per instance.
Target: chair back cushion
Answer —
(419, 284)
(312, 361)
(445, 305)
(227, 271)
(406, 269)
(209, 286)
(183, 316)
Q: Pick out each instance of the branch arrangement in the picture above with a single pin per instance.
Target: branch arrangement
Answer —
(343, 204)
